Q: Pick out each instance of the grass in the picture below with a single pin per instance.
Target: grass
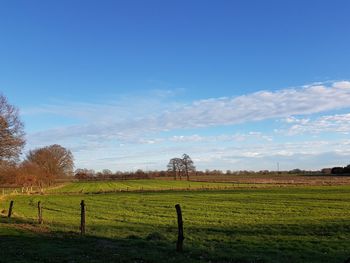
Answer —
(289, 224)
(276, 179)
(135, 185)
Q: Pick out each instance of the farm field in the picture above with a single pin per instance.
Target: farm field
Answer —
(198, 183)
(277, 179)
(274, 224)
(136, 185)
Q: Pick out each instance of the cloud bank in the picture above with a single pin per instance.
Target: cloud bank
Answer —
(257, 106)
(145, 121)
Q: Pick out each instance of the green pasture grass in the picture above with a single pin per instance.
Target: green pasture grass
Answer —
(134, 185)
(296, 224)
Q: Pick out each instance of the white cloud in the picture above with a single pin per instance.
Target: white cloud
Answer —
(191, 138)
(260, 106)
(237, 137)
(339, 123)
(112, 121)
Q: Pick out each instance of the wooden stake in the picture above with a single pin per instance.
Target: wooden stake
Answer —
(40, 213)
(82, 221)
(180, 236)
(10, 209)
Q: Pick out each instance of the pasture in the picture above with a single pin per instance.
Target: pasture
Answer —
(243, 224)
(136, 185)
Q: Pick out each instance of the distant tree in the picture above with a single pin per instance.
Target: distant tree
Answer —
(140, 174)
(162, 174)
(171, 167)
(84, 174)
(187, 165)
(326, 171)
(347, 169)
(11, 132)
(263, 172)
(295, 171)
(107, 172)
(55, 161)
(337, 170)
(175, 167)
(216, 172)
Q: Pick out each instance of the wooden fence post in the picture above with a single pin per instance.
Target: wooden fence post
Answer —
(82, 221)
(180, 236)
(10, 209)
(40, 213)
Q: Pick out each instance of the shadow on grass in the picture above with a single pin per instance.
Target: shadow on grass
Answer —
(24, 241)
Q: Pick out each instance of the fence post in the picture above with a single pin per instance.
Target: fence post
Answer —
(82, 220)
(180, 236)
(40, 213)
(10, 209)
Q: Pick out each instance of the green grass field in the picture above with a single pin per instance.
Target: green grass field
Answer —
(136, 185)
(289, 224)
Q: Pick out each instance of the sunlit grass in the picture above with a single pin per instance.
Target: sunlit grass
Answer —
(297, 224)
(136, 185)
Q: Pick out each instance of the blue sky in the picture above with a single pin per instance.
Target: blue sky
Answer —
(131, 84)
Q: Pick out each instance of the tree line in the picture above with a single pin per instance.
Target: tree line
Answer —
(176, 168)
(106, 174)
(341, 170)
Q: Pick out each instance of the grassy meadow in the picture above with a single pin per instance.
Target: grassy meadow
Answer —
(268, 224)
(136, 185)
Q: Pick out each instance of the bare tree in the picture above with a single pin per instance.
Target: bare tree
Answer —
(171, 167)
(107, 172)
(55, 161)
(11, 132)
(175, 166)
(188, 166)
